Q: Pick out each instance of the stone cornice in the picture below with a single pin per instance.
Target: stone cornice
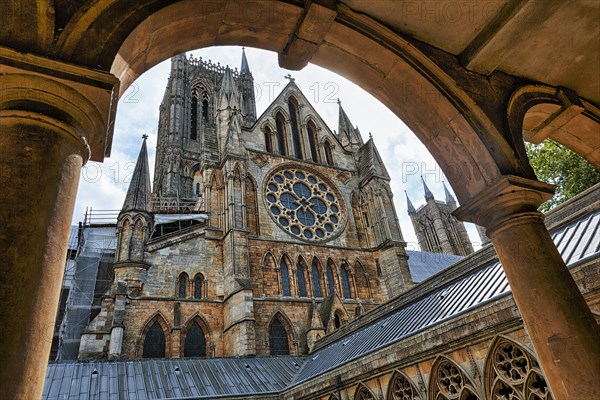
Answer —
(499, 205)
(83, 97)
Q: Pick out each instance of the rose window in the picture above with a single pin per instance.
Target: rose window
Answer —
(304, 204)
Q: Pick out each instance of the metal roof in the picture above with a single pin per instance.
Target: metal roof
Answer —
(170, 378)
(423, 264)
(225, 377)
(577, 241)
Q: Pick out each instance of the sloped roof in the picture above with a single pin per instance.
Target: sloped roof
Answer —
(370, 163)
(423, 264)
(170, 378)
(346, 128)
(577, 241)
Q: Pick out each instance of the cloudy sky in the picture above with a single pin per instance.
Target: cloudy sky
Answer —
(103, 186)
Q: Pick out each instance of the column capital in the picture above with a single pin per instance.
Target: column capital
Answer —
(506, 202)
(83, 98)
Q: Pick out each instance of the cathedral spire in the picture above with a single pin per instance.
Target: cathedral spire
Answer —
(247, 91)
(409, 206)
(138, 194)
(230, 116)
(370, 163)
(449, 197)
(347, 133)
(228, 88)
(244, 70)
(428, 194)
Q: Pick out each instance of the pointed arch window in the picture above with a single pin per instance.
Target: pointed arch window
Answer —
(330, 279)
(280, 126)
(278, 339)
(364, 394)
(205, 109)
(154, 342)
(316, 280)
(294, 117)
(512, 372)
(285, 278)
(337, 320)
(195, 342)
(301, 279)
(312, 141)
(198, 286)
(361, 280)
(268, 143)
(194, 117)
(402, 389)
(328, 153)
(448, 382)
(182, 286)
(345, 282)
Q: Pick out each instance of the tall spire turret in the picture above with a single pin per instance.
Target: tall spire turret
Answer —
(428, 194)
(409, 206)
(449, 197)
(228, 94)
(244, 69)
(230, 115)
(348, 134)
(138, 194)
(247, 89)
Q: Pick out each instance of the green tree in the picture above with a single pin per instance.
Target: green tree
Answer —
(556, 164)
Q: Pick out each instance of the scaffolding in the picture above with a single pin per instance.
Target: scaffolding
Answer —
(88, 275)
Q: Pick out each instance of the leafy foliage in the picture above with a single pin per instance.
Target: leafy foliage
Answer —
(556, 164)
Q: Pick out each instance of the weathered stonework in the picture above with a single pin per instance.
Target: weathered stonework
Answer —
(340, 245)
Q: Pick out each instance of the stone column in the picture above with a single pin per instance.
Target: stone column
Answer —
(40, 166)
(46, 125)
(559, 322)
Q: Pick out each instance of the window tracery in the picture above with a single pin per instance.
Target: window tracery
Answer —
(402, 389)
(363, 393)
(514, 374)
(449, 383)
(304, 204)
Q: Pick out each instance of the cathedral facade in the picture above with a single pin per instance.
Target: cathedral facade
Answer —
(260, 235)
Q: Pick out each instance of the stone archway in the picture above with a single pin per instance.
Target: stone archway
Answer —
(51, 128)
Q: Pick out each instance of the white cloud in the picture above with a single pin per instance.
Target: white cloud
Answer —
(405, 157)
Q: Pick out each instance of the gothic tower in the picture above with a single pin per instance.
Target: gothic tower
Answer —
(436, 229)
(134, 225)
(262, 233)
